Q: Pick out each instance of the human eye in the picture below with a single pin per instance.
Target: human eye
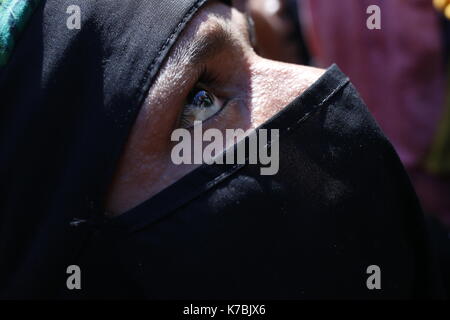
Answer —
(200, 105)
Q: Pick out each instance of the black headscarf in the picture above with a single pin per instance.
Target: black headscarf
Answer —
(68, 100)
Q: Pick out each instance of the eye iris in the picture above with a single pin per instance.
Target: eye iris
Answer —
(202, 99)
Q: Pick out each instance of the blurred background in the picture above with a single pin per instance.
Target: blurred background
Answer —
(401, 70)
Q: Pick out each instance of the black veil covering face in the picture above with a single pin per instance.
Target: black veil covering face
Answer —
(340, 202)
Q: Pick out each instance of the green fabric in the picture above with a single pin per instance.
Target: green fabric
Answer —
(438, 161)
(14, 15)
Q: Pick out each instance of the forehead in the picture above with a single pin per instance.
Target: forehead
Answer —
(214, 22)
(216, 28)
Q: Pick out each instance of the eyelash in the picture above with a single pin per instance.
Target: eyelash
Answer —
(191, 112)
(210, 79)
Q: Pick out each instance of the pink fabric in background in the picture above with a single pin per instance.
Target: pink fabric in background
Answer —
(398, 70)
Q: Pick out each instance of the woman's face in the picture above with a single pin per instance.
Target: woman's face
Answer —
(214, 75)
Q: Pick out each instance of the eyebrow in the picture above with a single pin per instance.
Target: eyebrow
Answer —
(195, 51)
(209, 45)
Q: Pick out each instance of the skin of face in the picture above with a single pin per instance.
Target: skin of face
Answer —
(213, 53)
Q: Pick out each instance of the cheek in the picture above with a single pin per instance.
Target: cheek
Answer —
(236, 115)
(145, 166)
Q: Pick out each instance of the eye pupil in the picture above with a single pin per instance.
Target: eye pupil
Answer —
(200, 105)
(202, 99)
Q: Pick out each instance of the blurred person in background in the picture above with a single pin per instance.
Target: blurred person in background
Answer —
(277, 29)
